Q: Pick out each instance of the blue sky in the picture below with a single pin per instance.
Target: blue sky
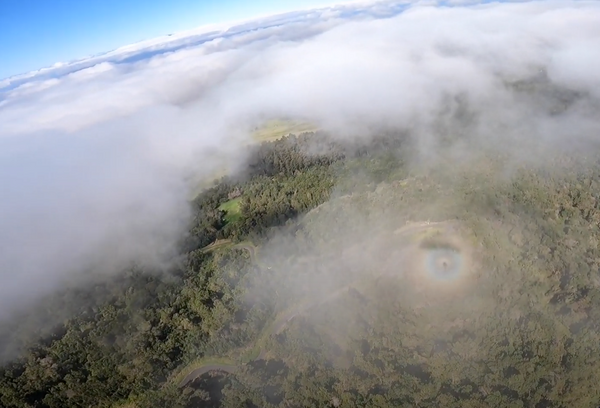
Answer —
(39, 33)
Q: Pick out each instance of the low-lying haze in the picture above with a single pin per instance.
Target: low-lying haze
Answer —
(93, 162)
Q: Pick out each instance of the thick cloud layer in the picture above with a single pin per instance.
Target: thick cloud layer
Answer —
(94, 155)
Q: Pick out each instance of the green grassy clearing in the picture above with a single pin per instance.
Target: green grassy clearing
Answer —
(232, 209)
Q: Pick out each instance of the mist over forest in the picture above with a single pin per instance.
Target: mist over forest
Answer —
(423, 232)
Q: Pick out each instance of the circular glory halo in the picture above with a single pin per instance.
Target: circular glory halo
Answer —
(438, 260)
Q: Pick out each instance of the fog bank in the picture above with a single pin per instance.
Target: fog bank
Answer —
(94, 163)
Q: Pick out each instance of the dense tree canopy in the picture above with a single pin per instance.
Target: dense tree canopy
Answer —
(298, 301)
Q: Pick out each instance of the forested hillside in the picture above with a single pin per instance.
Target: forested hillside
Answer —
(306, 281)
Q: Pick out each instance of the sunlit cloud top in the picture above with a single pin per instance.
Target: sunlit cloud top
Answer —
(94, 153)
(35, 34)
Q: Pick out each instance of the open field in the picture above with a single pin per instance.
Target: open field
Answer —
(270, 131)
(232, 209)
(278, 128)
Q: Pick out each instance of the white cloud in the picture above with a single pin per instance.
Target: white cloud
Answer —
(93, 153)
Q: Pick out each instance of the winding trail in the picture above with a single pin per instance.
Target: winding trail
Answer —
(282, 320)
(199, 372)
(246, 246)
